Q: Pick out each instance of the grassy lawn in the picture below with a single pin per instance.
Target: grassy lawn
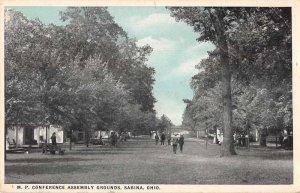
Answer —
(140, 161)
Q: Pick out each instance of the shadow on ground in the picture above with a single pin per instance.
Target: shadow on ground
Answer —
(47, 169)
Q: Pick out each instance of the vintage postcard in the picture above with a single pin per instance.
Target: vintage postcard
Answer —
(149, 96)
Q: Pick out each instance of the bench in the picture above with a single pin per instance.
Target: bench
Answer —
(273, 139)
(52, 149)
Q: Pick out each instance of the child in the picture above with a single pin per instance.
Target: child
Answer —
(169, 139)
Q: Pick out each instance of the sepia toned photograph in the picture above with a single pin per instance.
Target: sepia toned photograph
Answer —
(134, 97)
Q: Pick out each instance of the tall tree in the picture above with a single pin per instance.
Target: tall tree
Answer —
(164, 123)
(252, 44)
(79, 75)
(92, 31)
(211, 24)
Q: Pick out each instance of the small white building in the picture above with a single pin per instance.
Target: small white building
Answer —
(33, 135)
(103, 134)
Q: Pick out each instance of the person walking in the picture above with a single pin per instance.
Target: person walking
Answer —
(53, 139)
(53, 146)
(175, 142)
(114, 138)
(156, 139)
(162, 139)
(169, 139)
(181, 142)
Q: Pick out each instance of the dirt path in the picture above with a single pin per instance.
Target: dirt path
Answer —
(140, 161)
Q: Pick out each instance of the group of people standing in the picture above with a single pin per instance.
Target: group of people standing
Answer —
(175, 141)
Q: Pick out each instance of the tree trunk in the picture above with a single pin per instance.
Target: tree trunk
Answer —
(71, 138)
(228, 141)
(5, 141)
(217, 19)
(87, 138)
(263, 138)
(263, 141)
(70, 145)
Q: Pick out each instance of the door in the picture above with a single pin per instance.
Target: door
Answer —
(28, 135)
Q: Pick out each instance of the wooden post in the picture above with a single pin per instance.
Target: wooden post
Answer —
(17, 135)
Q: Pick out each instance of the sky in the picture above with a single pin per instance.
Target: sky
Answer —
(175, 50)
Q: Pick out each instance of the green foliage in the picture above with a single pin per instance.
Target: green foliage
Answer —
(163, 124)
(85, 75)
(93, 32)
(258, 45)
